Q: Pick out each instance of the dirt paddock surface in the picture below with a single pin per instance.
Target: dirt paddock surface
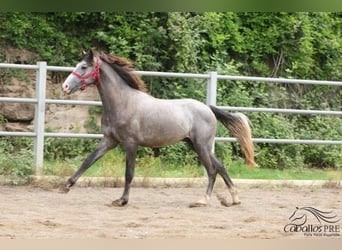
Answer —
(31, 212)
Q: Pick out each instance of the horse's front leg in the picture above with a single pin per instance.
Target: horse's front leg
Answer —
(104, 146)
(131, 153)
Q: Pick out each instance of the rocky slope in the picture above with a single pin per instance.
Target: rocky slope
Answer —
(58, 118)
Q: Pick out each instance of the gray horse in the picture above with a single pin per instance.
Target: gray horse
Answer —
(132, 118)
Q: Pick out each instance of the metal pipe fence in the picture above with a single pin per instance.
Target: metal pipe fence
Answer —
(40, 102)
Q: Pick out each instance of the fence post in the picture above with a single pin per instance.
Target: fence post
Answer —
(212, 93)
(39, 118)
(212, 88)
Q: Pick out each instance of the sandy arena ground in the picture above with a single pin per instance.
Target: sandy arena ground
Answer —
(29, 212)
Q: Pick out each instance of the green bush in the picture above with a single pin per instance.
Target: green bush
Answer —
(64, 148)
(16, 158)
(290, 45)
(323, 156)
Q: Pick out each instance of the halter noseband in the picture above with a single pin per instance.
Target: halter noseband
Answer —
(95, 74)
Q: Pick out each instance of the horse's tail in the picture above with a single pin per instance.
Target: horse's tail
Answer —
(238, 125)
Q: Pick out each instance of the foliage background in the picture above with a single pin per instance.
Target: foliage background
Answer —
(289, 45)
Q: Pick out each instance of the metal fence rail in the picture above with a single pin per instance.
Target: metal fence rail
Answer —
(40, 102)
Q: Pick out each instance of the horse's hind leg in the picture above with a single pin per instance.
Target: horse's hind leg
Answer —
(223, 173)
(104, 146)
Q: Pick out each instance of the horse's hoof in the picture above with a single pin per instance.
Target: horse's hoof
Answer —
(223, 200)
(198, 204)
(64, 190)
(119, 203)
(201, 203)
(225, 203)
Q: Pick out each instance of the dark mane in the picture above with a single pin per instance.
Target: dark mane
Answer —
(125, 69)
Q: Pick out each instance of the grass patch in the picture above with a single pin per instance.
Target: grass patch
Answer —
(240, 171)
(113, 165)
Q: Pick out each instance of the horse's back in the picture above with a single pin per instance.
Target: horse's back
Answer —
(189, 109)
(198, 110)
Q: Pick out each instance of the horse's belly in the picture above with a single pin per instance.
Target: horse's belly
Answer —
(163, 135)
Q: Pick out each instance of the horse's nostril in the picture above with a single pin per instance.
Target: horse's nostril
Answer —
(65, 86)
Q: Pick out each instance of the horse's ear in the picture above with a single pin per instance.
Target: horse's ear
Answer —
(83, 54)
(88, 56)
(91, 54)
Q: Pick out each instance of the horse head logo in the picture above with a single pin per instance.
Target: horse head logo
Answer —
(304, 215)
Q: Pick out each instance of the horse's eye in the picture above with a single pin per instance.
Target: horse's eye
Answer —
(83, 67)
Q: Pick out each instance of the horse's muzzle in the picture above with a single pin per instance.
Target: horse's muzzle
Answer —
(66, 88)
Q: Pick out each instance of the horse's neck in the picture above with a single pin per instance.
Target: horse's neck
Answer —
(114, 93)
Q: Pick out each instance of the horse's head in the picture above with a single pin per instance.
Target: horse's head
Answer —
(87, 72)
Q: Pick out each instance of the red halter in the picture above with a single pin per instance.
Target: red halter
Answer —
(95, 74)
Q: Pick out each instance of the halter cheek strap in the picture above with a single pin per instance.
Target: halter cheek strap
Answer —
(95, 74)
